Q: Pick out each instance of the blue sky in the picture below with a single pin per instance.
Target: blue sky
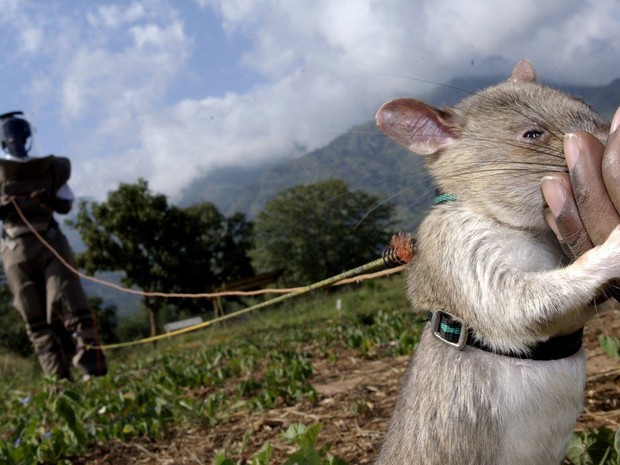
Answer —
(168, 90)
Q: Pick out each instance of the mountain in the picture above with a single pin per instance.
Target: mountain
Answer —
(604, 99)
(365, 159)
(222, 185)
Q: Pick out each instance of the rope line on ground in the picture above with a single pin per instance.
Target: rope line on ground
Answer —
(302, 290)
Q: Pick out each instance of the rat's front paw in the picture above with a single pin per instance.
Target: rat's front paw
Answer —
(614, 238)
(605, 258)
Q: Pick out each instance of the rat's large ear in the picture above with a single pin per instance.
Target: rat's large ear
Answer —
(419, 127)
(523, 72)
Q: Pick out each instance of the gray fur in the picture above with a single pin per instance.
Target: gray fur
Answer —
(490, 259)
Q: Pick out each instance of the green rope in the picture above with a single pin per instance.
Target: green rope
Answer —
(379, 263)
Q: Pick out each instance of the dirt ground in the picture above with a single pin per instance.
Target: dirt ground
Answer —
(356, 397)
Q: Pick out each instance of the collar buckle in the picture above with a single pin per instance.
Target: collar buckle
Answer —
(448, 330)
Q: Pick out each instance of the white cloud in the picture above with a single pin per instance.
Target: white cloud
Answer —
(127, 70)
(237, 130)
(120, 87)
(106, 67)
(325, 65)
(130, 79)
(114, 16)
(31, 39)
(154, 35)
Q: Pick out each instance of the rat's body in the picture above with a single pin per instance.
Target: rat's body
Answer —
(489, 260)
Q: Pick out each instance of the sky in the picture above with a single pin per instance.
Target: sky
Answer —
(169, 90)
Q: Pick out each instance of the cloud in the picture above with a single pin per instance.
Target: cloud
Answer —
(272, 122)
(114, 16)
(111, 82)
(107, 78)
(130, 79)
(328, 65)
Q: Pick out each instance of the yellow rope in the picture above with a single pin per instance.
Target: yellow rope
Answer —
(302, 290)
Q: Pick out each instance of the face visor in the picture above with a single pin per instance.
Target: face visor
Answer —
(15, 136)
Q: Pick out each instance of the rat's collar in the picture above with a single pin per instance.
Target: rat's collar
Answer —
(440, 197)
(456, 334)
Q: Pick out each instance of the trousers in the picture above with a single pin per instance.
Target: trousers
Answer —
(50, 298)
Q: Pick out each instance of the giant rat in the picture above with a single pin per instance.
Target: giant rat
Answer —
(499, 374)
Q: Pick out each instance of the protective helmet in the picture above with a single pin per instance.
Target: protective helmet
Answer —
(14, 133)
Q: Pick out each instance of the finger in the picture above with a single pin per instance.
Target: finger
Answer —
(611, 168)
(550, 219)
(584, 154)
(558, 194)
(611, 176)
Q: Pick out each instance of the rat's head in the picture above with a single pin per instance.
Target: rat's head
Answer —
(493, 148)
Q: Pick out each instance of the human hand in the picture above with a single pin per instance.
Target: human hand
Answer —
(584, 204)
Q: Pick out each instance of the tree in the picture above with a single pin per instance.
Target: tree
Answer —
(216, 250)
(157, 246)
(320, 230)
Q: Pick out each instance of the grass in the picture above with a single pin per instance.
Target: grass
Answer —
(16, 370)
(149, 390)
(256, 362)
(291, 316)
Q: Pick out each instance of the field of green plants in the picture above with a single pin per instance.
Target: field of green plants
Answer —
(266, 361)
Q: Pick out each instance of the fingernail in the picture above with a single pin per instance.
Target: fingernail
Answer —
(615, 122)
(571, 149)
(552, 224)
(554, 193)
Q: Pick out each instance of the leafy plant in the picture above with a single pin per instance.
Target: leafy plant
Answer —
(305, 437)
(307, 453)
(394, 333)
(597, 447)
(610, 345)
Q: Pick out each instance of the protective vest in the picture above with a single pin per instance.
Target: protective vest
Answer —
(23, 181)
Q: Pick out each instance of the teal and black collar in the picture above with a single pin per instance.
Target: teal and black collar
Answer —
(458, 335)
(444, 198)
(441, 197)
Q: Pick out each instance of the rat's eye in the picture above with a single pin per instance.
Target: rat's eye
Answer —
(533, 134)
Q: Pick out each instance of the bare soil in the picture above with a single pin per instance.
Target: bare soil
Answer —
(355, 398)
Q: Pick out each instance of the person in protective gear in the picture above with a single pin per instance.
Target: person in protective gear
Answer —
(50, 298)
